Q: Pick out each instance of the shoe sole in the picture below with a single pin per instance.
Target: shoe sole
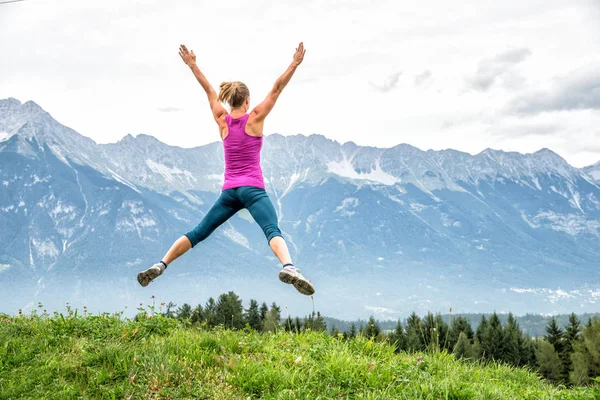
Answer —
(144, 278)
(301, 285)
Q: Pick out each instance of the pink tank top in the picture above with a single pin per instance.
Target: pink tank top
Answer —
(242, 155)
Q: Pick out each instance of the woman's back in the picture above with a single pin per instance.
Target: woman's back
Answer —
(242, 155)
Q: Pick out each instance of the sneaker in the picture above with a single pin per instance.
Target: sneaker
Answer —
(147, 276)
(293, 276)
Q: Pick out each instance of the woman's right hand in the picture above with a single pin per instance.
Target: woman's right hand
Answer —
(188, 57)
(299, 55)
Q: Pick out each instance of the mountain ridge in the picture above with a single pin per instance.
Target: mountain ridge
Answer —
(440, 227)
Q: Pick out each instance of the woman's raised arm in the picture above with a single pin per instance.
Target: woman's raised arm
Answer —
(189, 58)
(263, 109)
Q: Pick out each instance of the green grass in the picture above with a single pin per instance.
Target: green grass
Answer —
(104, 357)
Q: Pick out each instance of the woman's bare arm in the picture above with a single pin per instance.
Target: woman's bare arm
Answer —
(261, 111)
(189, 58)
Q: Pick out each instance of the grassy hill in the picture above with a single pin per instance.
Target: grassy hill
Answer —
(105, 357)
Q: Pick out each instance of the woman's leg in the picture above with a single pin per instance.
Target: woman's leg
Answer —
(179, 248)
(223, 209)
(259, 205)
(257, 201)
(280, 249)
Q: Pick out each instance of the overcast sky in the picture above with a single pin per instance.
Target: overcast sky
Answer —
(468, 75)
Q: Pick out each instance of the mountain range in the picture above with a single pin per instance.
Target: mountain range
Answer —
(380, 231)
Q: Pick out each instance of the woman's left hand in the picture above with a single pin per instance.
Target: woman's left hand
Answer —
(188, 57)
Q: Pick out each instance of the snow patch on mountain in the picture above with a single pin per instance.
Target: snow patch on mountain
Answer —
(347, 206)
(4, 267)
(553, 296)
(216, 177)
(380, 310)
(168, 172)
(122, 180)
(572, 224)
(63, 210)
(45, 248)
(35, 180)
(137, 219)
(236, 236)
(4, 136)
(345, 169)
(448, 221)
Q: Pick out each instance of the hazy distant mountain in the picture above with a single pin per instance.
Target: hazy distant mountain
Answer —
(593, 171)
(379, 231)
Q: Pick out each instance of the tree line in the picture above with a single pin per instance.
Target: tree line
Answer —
(568, 354)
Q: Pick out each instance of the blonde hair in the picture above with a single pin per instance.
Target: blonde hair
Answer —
(233, 93)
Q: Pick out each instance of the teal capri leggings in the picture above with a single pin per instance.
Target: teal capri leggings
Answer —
(255, 199)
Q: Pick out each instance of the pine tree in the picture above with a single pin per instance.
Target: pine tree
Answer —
(398, 338)
(429, 332)
(548, 361)
(170, 312)
(334, 332)
(372, 330)
(462, 349)
(513, 342)
(320, 324)
(197, 315)
(288, 326)
(252, 317)
(210, 315)
(184, 312)
(528, 351)
(554, 335)
(492, 342)
(309, 322)
(229, 311)
(297, 325)
(586, 356)
(264, 310)
(459, 324)
(414, 333)
(352, 331)
(442, 331)
(481, 328)
(276, 310)
(270, 323)
(570, 336)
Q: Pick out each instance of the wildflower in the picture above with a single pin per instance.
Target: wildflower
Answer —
(297, 360)
(131, 378)
(420, 358)
(20, 311)
(153, 296)
(419, 362)
(140, 303)
(371, 365)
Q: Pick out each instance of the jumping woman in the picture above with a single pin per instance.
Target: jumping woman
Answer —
(244, 187)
